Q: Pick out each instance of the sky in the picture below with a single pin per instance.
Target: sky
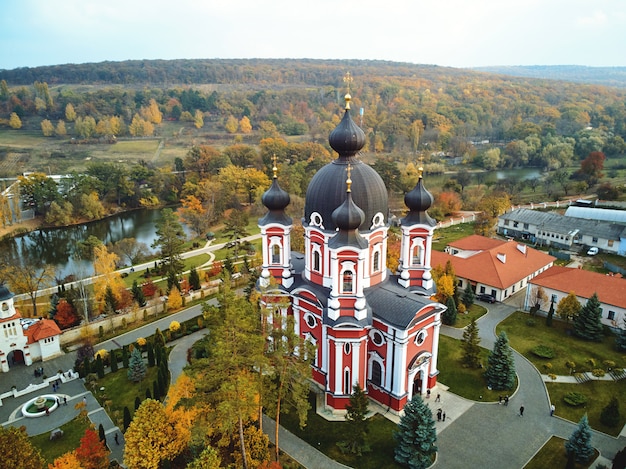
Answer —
(456, 33)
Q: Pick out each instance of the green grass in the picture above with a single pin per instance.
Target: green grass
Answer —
(324, 435)
(444, 236)
(599, 394)
(73, 431)
(465, 382)
(552, 454)
(559, 338)
(473, 312)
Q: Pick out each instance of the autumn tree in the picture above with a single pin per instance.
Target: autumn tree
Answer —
(91, 207)
(236, 227)
(65, 314)
(193, 213)
(231, 124)
(92, 453)
(47, 128)
(244, 125)
(14, 121)
(70, 112)
(591, 167)
(207, 459)
(537, 298)
(198, 119)
(588, 323)
(500, 373)
(445, 280)
(68, 460)
(569, 307)
(174, 300)
(27, 276)
(16, 450)
(107, 279)
(132, 251)
(169, 241)
(151, 438)
(470, 345)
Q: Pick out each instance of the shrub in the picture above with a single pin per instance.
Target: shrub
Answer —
(543, 351)
(531, 323)
(609, 364)
(552, 376)
(598, 372)
(575, 399)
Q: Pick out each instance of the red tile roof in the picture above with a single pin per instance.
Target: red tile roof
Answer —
(476, 243)
(42, 329)
(610, 289)
(486, 267)
(17, 315)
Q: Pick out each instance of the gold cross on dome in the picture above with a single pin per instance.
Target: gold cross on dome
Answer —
(349, 180)
(274, 168)
(347, 79)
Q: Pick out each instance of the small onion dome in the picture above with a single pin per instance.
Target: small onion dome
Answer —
(347, 139)
(276, 200)
(418, 200)
(348, 217)
(5, 294)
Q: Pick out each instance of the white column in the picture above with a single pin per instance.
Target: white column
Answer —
(338, 367)
(435, 351)
(356, 360)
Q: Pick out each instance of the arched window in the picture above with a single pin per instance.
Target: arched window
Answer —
(347, 282)
(275, 254)
(377, 373)
(317, 261)
(416, 257)
(346, 382)
(376, 262)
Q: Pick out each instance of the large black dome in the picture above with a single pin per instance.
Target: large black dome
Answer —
(327, 189)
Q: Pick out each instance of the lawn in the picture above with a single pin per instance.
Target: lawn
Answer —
(444, 236)
(524, 336)
(552, 454)
(598, 393)
(465, 382)
(73, 431)
(473, 312)
(324, 435)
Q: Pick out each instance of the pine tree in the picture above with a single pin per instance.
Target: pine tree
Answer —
(99, 367)
(588, 324)
(113, 360)
(136, 367)
(416, 435)
(550, 315)
(610, 414)
(150, 354)
(194, 279)
(468, 295)
(500, 372)
(449, 316)
(356, 416)
(127, 418)
(125, 357)
(138, 295)
(579, 443)
(110, 302)
(156, 394)
(137, 402)
(471, 349)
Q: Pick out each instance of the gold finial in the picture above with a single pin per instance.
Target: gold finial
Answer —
(420, 168)
(274, 168)
(347, 79)
(349, 181)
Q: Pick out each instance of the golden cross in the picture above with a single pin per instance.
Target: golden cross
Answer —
(349, 181)
(347, 79)
(274, 168)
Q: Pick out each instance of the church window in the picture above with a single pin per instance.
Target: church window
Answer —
(377, 338)
(348, 282)
(377, 373)
(376, 263)
(347, 348)
(316, 261)
(5, 306)
(346, 382)
(310, 320)
(420, 337)
(417, 253)
(275, 254)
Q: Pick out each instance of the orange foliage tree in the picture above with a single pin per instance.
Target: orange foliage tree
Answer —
(66, 315)
(92, 453)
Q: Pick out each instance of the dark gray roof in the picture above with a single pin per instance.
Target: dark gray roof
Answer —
(598, 214)
(557, 223)
(5, 294)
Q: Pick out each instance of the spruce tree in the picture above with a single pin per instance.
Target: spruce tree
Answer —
(468, 295)
(416, 435)
(151, 360)
(449, 316)
(113, 360)
(610, 414)
(588, 324)
(471, 349)
(125, 357)
(110, 302)
(136, 367)
(579, 443)
(500, 374)
(127, 418)
(138, 295)
(356, 416)
(194, 279)
(550, 315)
(137, 402)
(156, 394)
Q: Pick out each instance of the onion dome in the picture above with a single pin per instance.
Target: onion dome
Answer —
(326, 190)
(418, 200)
(276, 200)
(5, 294)
(348, 217)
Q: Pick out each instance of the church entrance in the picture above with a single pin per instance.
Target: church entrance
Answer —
(15, 357)
(417, 384)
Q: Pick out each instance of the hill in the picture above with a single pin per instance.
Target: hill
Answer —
(607, 76)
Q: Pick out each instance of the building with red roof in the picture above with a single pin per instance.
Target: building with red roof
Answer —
(493, 267)
(557, 282)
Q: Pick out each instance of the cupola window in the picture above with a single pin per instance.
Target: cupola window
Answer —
(317, 260)
(348, 282)
(376, 262)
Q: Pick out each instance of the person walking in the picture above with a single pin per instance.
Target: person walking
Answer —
(117, 439)
(552, 409)
(438, 398)
(439, 412)
(506, 400)
(521, 411)
(64, 400)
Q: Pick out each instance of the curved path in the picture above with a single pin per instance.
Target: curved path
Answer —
(489, 435)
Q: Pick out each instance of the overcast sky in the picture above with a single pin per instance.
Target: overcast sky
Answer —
(457, 33)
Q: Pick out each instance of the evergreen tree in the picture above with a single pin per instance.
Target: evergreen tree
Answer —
(468, 295)
(620, 339)
(159, 339)
(127, 418)
(113, 360)
(54, 302)
(471, 349)
(172, 281)
(137, 402)
(110, 302)
(101, 434)
(150, 354)
(194, 279)
(99, 367)
(610, 414)
(138, 295)
(588, 324)
(500, 372)
(136, 366)
(550, 315)
(156, 394)
(579, 443)
(416, 435)
(356, 416)
(148, 394)
(125, 357)
(449, 316)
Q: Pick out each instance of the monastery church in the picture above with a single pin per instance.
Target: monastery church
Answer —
(370, 326)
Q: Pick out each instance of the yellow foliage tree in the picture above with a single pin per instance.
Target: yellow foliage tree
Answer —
(66, 461)
(60, 129)
(70, 113)
(198, 119)
(231, 125)
(47, 128)
(174, 300)
(152, 113)
(15, 122)
(105, 274)
(244, 125)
